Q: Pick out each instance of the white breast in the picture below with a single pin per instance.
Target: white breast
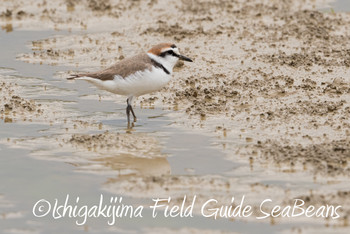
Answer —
(136, 84)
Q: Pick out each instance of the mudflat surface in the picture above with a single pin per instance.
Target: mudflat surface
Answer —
(269, 87)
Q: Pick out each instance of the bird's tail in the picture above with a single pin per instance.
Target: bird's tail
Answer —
(74, 76)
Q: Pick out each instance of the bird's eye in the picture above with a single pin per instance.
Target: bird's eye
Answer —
(168, 52)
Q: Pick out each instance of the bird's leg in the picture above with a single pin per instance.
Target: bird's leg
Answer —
(129, 108)
(128, 112)
(133, 114)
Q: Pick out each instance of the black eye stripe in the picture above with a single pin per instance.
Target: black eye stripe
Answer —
(170, 52)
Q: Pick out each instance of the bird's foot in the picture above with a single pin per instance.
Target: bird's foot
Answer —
(130, 125)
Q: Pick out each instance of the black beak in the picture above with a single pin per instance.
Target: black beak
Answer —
(181, 57)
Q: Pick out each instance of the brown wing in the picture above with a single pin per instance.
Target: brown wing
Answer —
(123, 68)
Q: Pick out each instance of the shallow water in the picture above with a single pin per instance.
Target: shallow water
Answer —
(24, 179)
(37, 168)
(341, 5)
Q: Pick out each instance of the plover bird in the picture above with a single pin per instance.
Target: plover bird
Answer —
(137, 75)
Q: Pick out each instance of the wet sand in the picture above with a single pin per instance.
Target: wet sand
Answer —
(269, 82)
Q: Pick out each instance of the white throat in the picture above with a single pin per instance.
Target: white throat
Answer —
(167, 62)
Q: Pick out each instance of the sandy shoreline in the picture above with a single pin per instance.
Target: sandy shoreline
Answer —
(274, 73)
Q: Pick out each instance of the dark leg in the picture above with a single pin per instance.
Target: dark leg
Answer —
(129, 108)
(133, 114)
(128, 112)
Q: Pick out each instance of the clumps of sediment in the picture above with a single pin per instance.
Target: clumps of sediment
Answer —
(61, 14)
(76, 50)
(138, 144)
(328, 158)
(278, 70)
(13, 107)
(201, 187)
(339, 198)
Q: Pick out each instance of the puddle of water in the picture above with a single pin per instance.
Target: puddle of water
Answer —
(69, 171)
(341, 5)
(338, 6)
(49, 179)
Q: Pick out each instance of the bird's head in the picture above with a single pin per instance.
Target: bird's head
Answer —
(167, 54)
